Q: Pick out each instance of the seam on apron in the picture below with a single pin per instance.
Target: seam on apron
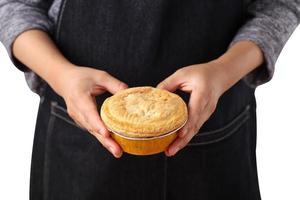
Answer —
(225, 136)
(165, 178)
(55, 107)
(65, 119)
(45, 171)
(53, 112)
(62, 9)
(245, 111)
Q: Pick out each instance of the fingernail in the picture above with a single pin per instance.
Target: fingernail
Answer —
(167, 153)
(111, 150)
(124, 86)
(118, 155)
(173, 151)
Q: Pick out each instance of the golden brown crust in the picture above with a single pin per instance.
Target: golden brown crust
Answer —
(143, 112)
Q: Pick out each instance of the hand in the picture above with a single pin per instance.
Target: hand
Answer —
(205, 83)
(79, 86)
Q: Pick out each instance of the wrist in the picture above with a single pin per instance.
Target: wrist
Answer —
(59, 75)
(237, 62)
(223, 79)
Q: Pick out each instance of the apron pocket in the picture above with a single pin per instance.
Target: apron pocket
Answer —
(219, 134)
(70, 157)
(61, 112)
(66, 134)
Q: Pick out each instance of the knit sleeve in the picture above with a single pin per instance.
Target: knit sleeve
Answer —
(270, 23)
(18, 16)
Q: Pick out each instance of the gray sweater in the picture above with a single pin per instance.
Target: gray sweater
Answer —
(270, 24)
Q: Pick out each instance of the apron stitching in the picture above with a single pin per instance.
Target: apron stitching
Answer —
(59, 107)
(66, 120)
(62, 117)
(54, 105)
(45, 172)
(165, 178)
(221, 138)
(244, 112)
(63, 5)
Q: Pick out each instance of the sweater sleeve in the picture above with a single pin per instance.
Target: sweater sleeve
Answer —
(18, 16)
(269, 24)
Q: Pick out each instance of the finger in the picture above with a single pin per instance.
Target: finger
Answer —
(193, 128)
(105, 139)
(178, 144)
(196, 106)
(181, 141)
(110, 144)
(110, 83)
(97, 90)
(171, 83)
(91, 116)
(76, 117)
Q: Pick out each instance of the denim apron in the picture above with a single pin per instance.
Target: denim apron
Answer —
(141, 42)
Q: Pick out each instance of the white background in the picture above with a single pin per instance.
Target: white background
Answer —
(278, 146)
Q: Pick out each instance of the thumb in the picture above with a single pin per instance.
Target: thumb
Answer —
(171, 83)
(110, 83)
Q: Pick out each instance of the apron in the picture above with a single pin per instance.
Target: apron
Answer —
(141, 42)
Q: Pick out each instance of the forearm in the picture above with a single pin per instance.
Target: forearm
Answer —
(269, 24)
(206, 82)
(37, 51)
(78, 86)
(239, 60)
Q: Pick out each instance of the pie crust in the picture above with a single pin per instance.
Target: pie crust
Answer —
(143, 112)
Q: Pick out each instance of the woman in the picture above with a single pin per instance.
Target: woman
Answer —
(76, 52)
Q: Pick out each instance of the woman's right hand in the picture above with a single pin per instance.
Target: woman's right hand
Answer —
(79, 86)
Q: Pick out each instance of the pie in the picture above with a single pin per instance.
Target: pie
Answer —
(142, 112)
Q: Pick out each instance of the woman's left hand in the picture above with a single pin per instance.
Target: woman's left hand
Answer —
(205, 83)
